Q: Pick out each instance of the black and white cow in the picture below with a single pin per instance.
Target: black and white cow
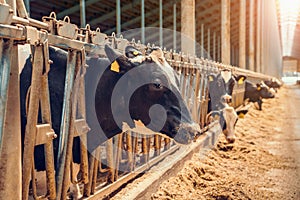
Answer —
(273, 83)
(256, 92)
(220, 96)
(119, 90)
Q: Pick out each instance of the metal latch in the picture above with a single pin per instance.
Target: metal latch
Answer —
(66, 29)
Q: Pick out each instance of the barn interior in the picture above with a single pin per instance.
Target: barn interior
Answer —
(252, 28)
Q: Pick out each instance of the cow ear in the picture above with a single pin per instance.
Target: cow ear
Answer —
(211, 77)
(119, 62)
(240, 79)
(132, 52)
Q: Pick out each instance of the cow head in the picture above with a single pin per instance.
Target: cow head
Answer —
(147, 91)
(264, 91)
(220, 91)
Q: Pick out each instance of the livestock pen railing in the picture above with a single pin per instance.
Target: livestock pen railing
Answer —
(116, 161)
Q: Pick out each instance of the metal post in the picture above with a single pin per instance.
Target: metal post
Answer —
(202, 40)
(219, 49)
(27, 6)
(242, 35)
(10, 156)
(188, 27)
(82, 14)
(174, 26)
(258, 37)
(251, 36)
(118, 16)
(214, 46)
(32, 116)
(160, 23)
(143, 21)
(225, 31)
(208, 43)
(65, 123)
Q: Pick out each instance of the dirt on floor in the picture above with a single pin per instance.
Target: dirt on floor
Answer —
(263, 163)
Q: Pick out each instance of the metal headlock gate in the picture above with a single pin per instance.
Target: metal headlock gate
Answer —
(130, 149)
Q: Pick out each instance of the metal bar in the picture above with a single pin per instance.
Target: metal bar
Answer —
(143, 21)
(160, 23)
(242, 35)
(258, 37)
(5, 53)
(21, 9)
(208, 44)
(65, 123)
(71, 128)
(30, 130)
(202, 41)
(118, 16)
(188, 28)
(214, 46)
(174, 26)
(13, 5)
(27, 6)
(219, 49)
(251, 35)
(109, 158)
(82, 14)
(10, 156)
(130, 149)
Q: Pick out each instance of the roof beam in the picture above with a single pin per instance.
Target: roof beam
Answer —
(113, 13)
(75, 8)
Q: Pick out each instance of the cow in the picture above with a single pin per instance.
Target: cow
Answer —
(256, 92)
(273, 83)
(220, 95)
(119, 89)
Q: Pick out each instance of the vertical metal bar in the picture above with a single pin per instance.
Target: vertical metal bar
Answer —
(202, 40)
(5, 53)
(258, 36)
(174, 26)
(118, 16)
(82, 14)
(143, 21)
(242, 35)
(214, 46)
(188, 27)
(30, 130)
(27, 6)
(129, 150)
(160, 23)
(21, 9)
(251, 36)
(110, 160)
(65, 123)
(208, 43)
(225, 31)
(10, 155)
(219, 49)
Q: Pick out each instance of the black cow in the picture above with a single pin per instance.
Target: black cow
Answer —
(220, 91)
(119, 90)
(256, 92)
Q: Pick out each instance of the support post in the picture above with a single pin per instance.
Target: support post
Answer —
(202, 40)
(160, 23)
(188, 26)
(118, 16)
(225, 33)
(242, 35)
(143, 21)
(258, 36)
(214, 46)
(208, 44)
(251, 36)
(174, 26)
(82, 14)
(10, 156)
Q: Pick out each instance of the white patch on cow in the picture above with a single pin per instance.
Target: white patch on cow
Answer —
(226, 75)
(230, 117)
(137, 59)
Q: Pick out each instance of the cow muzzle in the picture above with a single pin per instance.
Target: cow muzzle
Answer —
(187, 133)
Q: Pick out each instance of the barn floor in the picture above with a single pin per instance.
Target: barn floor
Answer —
(263, 163)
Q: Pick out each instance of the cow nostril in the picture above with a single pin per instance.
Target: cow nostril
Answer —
(230, 140)
(157, 85)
